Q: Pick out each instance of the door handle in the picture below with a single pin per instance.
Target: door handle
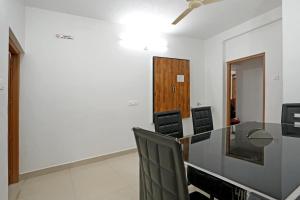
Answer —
(173, 88)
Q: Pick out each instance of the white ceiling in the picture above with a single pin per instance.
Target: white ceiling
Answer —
(201, 23)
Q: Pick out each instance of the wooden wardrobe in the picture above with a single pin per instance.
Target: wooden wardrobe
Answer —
(171, 85)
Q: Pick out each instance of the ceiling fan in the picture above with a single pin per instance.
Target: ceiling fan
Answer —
(193, 4)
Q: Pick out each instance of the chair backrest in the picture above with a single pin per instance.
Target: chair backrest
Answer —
(162, 172)
(169, 123)
(202, 120)
(290, 113)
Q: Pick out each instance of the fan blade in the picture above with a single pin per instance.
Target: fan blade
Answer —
(184, 14)
(210, 1)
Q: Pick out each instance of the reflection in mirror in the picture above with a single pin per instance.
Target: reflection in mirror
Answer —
(247, 143)
(260, 137)
(200, 137)
(290, 130)
(185, 142)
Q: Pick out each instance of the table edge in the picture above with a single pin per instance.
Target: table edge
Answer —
(235, 183)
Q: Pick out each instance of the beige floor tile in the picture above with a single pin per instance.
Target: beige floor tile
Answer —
(136, 192)
(14, 191)
(94, 181)
(129, 160)
(127, 167)
(112, 179)
(56, 186)
(124, 194)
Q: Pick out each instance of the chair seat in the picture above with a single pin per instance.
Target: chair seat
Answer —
(197, 196)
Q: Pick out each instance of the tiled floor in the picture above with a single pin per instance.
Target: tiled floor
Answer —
(111, 179)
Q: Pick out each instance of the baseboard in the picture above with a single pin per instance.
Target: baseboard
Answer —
(75, 164)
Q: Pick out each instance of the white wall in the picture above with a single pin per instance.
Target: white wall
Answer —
(291, 50)
(291, 80)
(11, 15)
(74, 94)
(3, 102)
(261, 34)
(16, 18)
(250, 90)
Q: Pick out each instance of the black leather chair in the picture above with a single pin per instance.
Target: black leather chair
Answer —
(162, 173)
(289, 113)
(202, 120)
(169, 123)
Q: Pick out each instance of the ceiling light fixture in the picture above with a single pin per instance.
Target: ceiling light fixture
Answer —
(143, 32)
(138, 40)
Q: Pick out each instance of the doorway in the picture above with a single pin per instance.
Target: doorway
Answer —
(14, 56)
(246, 90)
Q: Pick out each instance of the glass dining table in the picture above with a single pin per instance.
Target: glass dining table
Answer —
(261, 158)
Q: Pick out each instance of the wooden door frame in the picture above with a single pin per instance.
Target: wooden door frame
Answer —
(15, 51)
(229, 67)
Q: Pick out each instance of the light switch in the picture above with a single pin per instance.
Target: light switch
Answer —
(133, 103)
(276, 77)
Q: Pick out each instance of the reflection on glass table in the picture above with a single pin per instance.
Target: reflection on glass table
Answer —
(261, 158)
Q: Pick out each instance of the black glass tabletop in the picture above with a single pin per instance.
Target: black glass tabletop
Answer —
(261, 157)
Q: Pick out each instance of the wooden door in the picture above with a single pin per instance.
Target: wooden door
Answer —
(182, 100)
(15, 52)
(170, 93)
